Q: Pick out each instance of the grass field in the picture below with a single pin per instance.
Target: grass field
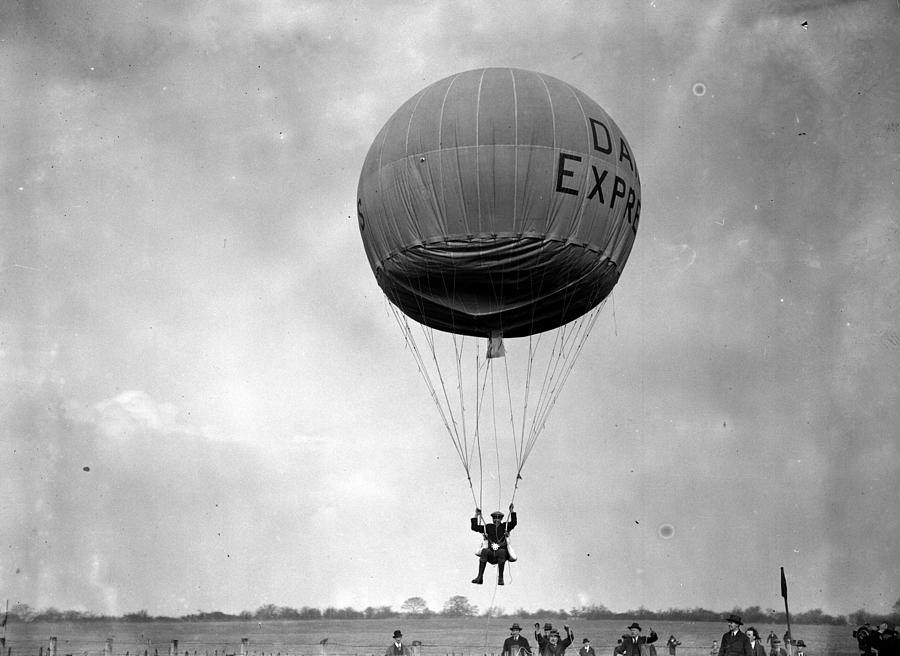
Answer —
(439, 636)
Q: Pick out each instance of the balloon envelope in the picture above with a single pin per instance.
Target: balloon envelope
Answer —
(498, 200)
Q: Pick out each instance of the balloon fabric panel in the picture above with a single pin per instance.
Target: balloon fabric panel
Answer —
(498, 200)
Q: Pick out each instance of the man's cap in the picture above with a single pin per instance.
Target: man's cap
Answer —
(584, 641)
(397, 634)
(497, 513)
(553, 633)
(800, 643)
(515, 627)
(734, 618)
(635, 625)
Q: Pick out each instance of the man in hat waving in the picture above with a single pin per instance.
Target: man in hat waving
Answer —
(735, 642)
(516, 644)
(554, 646)
(542, 638)
(397, 648)
(631, 644)
(495, 534)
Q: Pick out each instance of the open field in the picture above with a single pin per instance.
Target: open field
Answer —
(439, 636)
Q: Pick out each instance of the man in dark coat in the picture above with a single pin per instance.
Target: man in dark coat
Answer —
(542, 638)
(735, 642)
(586, 649)
(554, 646)
(516, 644)
(631, 644)
(397, 647)
(495, 533)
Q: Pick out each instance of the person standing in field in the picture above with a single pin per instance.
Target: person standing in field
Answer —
(516, 644)
(672, 643)
(756, 643)
(586, 649)
(556, 647)
(714, 650)
(541, 638)
(397, 648)
(735, 642)
(631, 644)
(886, 640)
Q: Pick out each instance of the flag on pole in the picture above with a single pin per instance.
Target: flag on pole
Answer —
(783, 584)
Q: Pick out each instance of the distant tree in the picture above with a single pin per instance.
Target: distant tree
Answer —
(753, 614)
(22, 612)
(896, 607)
(459, 606)
(593, 612)
(267, 612)
(137, 616)
(415, 606)
(493, 611)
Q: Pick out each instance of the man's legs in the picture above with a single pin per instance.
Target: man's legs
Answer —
(501, 563)
(482, 563)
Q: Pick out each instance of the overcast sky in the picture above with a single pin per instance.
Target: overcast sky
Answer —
(206, 403)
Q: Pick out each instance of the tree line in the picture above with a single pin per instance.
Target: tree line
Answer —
(458, 606)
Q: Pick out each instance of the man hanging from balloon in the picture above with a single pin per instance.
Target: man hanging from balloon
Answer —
(496, 542)
(499, 204)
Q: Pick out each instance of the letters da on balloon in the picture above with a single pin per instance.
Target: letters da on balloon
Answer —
(570, 168)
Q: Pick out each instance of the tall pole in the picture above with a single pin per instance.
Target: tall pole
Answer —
(787, 614)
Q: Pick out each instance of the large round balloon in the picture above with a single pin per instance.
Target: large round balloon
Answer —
(498, 201)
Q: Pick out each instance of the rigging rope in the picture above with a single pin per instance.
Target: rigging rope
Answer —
(546, 372)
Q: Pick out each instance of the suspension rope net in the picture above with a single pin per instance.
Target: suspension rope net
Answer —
(495, 409)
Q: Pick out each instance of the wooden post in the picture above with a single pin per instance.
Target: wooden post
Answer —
(52, 648)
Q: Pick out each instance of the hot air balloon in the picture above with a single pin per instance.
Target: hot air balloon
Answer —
(497, 206)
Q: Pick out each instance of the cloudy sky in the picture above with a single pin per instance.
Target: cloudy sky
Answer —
(205, 402)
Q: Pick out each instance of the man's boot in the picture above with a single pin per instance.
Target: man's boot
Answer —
(500, 567)
(480, 578)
